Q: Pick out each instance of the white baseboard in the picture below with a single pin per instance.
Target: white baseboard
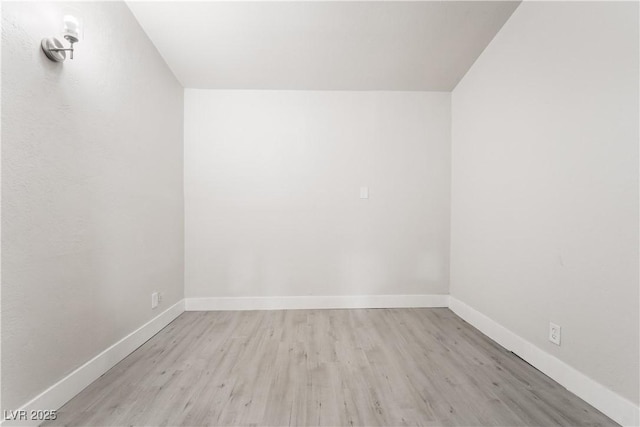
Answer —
(65, 389)
(613, 405)
(315, 302)
(608, 402)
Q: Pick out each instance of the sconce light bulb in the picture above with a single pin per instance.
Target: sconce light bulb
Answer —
(71, 28)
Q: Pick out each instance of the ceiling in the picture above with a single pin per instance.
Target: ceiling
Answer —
(321, 45)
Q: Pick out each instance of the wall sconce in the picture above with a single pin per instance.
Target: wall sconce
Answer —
(54, 49)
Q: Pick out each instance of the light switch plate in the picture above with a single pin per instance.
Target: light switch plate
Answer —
(364, 192)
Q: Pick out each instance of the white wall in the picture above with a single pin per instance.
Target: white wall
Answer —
(545, 184)
(272, 183)
(92, 206)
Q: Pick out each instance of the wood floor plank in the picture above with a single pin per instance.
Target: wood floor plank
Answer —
(366, 367)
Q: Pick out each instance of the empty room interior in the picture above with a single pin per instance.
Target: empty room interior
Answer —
(320, 213)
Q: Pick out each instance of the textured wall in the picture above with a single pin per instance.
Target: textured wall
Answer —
(545, 184)
(92, 206)
(272, 183)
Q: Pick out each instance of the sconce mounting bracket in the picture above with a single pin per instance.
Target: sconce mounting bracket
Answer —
(51, 46)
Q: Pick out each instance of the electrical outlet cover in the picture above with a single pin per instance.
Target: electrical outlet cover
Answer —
(154, 300)
(555, 332)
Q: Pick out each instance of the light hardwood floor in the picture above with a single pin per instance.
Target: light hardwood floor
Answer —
(371, 367)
